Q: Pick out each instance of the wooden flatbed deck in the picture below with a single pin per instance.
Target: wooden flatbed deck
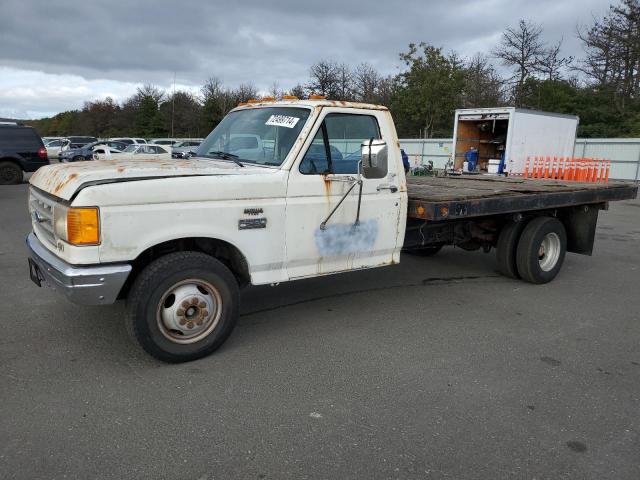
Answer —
(458, 197)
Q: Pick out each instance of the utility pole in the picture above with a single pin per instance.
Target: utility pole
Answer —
(173, 102)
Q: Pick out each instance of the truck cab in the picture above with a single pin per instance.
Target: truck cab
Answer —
(278, 191)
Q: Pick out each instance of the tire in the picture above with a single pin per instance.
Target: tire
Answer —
(425, 251)
(200, 317)
(541, 250)
(10, 173)
(78, 158)
(507, 247)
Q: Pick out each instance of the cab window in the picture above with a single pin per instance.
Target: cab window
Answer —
(336, 146)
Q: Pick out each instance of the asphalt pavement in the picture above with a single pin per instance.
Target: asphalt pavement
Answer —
(434, 368)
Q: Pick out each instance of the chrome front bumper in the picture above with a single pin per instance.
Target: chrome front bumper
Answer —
(94, 285)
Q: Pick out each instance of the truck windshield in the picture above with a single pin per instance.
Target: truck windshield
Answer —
(262, 136)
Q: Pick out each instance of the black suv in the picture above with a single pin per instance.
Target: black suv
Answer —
(21, 150)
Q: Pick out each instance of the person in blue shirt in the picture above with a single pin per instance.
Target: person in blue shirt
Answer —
(405, 161)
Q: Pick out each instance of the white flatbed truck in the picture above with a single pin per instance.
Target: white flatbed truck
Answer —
(275, 193)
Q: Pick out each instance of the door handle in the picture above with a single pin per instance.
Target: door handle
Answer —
(384, 186)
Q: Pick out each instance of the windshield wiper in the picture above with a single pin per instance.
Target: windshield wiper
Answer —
(226, 156)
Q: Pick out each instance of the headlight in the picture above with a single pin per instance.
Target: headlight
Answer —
(77, 225)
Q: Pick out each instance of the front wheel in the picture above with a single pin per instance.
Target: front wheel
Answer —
(541, 250)
(10, 173)
(183, 306)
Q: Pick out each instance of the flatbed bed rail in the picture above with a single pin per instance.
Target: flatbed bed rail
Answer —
(461, 197)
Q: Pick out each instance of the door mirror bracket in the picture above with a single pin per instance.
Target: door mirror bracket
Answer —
(353, 181)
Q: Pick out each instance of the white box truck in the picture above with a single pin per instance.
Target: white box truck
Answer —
(514, 133)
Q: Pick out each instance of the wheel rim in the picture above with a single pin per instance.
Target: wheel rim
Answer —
(189, 311)
(549, 251)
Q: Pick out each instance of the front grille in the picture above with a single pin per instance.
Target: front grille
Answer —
(41, 211)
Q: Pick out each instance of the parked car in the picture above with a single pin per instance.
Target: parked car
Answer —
(129, 140)
(182, 149)
(142, 152)
(163, 141)
(106, 151)
(86, 152)
(56, 146)
(21, 150)
(47, 140)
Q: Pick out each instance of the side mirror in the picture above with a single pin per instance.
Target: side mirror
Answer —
(374, 158)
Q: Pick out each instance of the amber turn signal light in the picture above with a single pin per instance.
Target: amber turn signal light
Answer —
(83, 226)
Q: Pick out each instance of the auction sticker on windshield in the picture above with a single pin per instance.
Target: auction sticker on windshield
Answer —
(282, 121)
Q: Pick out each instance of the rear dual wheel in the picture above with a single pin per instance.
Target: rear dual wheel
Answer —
(541, 250)
(533, 251)
(507, 247)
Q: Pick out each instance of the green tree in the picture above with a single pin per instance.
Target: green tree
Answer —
(428, 92)
(181, 115)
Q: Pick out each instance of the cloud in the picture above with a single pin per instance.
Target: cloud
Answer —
(33, 94)
(96, 48)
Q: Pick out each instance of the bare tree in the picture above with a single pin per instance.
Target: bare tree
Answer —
(216, 101)
(552, 64)
(275, 90)
(297, 91)
(212, 88)
(612, 47)
(345, 82)
(522, 49)
(244, 92)
(366, 81)
(387, 88)
(483, 86)
(324, 79)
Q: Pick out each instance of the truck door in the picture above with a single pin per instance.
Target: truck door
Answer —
(324, 232)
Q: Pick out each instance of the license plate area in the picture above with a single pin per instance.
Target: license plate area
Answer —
(34, 273)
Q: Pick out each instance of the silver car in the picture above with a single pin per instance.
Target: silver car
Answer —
(182, 149)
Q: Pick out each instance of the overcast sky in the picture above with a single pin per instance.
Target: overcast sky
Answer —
(54, 55)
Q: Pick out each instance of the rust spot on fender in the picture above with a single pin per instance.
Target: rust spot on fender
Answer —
(64, 183)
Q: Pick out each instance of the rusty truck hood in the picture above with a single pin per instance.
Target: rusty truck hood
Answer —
(64, 179)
